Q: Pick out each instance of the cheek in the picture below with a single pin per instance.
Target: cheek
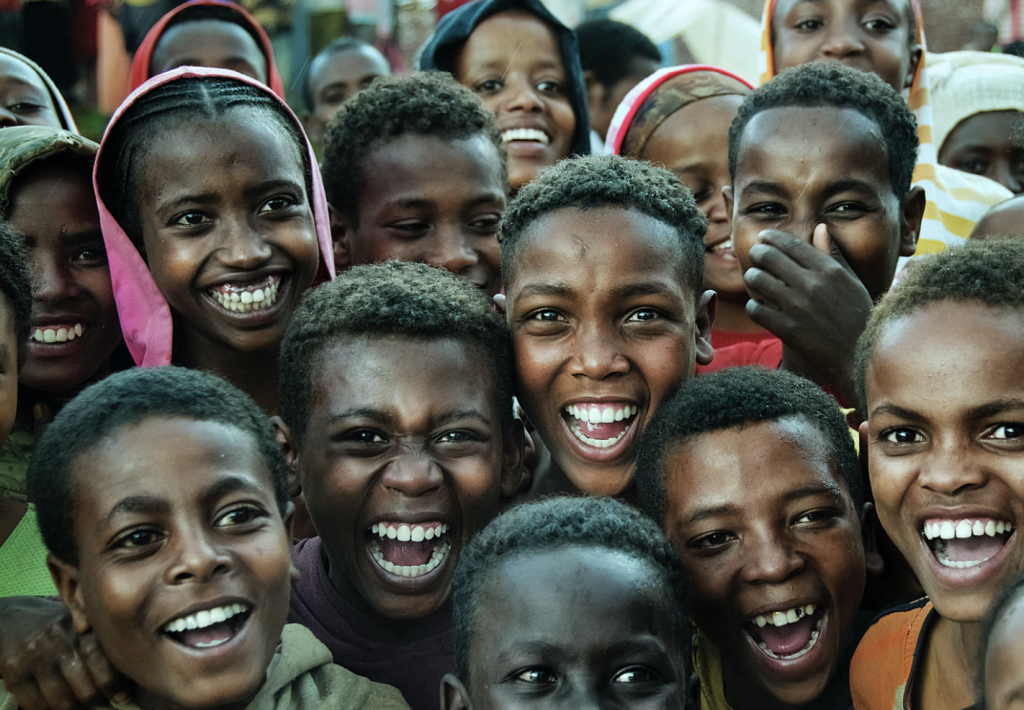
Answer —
(174, 264)
(300, 243)
(565, 120)
(476, 482)
(664, 365)
(536, 363)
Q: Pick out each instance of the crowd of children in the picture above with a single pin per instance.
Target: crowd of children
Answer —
(542, 377)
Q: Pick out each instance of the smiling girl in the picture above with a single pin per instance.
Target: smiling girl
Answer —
(214, 221)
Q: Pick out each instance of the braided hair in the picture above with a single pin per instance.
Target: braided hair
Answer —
(126, 146)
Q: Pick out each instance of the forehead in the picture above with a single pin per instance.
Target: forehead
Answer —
(187, 39)
(747, 467)
(169, 458)
(551, 598)
(417, 167)
(347, 66)
(55, 198)
(592, 250)
(411, 379)
(901, 7)
(14, 70)
(947, 358)
(510, 40)
(696, 130)
(801, 146)
(986, 129)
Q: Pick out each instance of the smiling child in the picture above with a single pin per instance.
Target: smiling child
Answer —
(602, 259)
(396, 393)
(753, 475)
(820, 217)
(414, 170)
(525, 66)
(884, 37)
(679, 118)
(215, 224)
(163, 500)
(528, 591)
(941, 368)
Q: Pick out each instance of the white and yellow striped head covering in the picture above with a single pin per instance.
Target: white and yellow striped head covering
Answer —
(956, 200)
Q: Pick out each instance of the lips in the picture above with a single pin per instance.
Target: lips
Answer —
(410, 550)
(966, 542)
(208, 628)
(57, 333)
(246, 298)
(529, 135)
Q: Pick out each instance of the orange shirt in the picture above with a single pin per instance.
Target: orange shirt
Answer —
(883, 667)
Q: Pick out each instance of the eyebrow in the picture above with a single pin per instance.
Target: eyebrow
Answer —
(768, 188)
(645, 288)
(849, 185)
(75, 238)
(831, 490)
(556, 290)
(137, 504)
(415, 202)
(982, 411)
(231, 484)
(386, 418)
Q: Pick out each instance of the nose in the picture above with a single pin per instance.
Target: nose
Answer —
(523, 96)
(843, 41)
(198, 559)
(7, 119)
(599, 353)
(243, 247)
(949, 469)
(412, 473)
(453, 251)
(51, 279)
(1006, 176)
(771, 557)
(717, 213)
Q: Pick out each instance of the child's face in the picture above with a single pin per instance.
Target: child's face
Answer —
(222, 220)
(765, 528)
(430, 200)
(209, 43)
(1005, 660)
(513, 62)
(870, 35)
(944, 391)
(24, 98)
(984, 144)
(8, 369)
(177, 528)
(794, 172)
(404, 438)
(1006, 218)
(335, 78)
(534, 642)
(74, 316)
(694, 144)
(604, 326)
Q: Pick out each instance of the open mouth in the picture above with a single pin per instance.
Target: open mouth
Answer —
(409, 550)
(968, 542)
(246, 298)
(531, 135)
(57, 333)
(786, 635)
(210, 627)
(723, 248)
(600, 425)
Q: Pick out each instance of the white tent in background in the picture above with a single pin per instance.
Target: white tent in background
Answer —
(715, 32)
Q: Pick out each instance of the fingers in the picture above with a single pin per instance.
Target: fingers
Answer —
(804, 253)
(112, 684)
(820, 239)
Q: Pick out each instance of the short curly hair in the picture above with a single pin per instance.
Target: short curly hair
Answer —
(120, 402)
(424, 104)
(593, 182)
(16, 285)
(833, 85)
(739, 397)
(557, 523)
(988, 272)
(392, 299)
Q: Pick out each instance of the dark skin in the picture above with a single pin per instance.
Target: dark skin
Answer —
(24, 98)
(1004, 658)
(754, 543)
(601, 316)
(209, 43)
(984, 144)
(535, 643)
(602, 100)
(694, 144)
(871, 35)
(945, 437)
(422, 448)
(818, 230)
(219, 217)
(428, 200)
(336, 77)
(1005, 219)
(11, 511)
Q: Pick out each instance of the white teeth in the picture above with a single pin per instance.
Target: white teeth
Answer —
(525, 134)
(408, 533)
(990, 528)
(436, 558)
(57, 335)
(392, 532)
(418, 534)
(961, 529)
(781, 618)
(202, 619)
(815, 632)
(947, 531)
(247, 299)
(404, 533)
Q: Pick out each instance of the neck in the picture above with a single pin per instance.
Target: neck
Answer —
(255, 373)
(731, 316)
(945, 679)
(744, 694)
(150, 701)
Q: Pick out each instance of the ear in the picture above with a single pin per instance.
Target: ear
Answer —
(873, 561)
(595, 89)
(291, 454)
(911, 216)
(454, 695)
(728, 195)
(705, 318)
(341, 237)
(916, 53)
(512, 457)
(65, 578)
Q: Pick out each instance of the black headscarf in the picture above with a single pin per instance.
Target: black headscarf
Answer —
(439, 52)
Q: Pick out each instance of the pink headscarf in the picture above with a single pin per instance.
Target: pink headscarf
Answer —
(145, 316)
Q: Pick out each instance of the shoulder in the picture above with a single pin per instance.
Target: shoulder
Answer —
(885, 657)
